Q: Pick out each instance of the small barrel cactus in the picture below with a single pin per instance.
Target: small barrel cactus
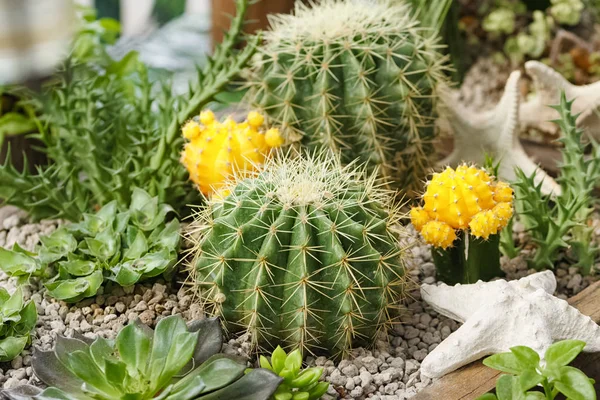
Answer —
(468, 201)
(303, 253)
(354, 77)
(215, 150)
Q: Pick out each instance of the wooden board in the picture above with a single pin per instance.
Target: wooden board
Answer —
(476, 379)
(222, 10)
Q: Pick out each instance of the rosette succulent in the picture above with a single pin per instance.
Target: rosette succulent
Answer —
(298, 383)
(124, 246)
(216, 150)
(17, 320)
(463, 212)
(304, 252)
(173, 362)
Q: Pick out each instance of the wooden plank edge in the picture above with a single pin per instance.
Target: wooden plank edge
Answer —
(475, 379)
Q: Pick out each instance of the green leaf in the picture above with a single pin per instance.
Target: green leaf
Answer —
(78, 267)
(529, 379)
(133, 343)
(179, 355)
(13, 123)
(563, 352)
(167, 238)
(28, 319)
(126, 66)
(56, 246)
(137, 244)
(257, 384)
(105, 245)
(278, 359)
(264, 363)
(505, 362)
(166, 331)
(12, 346)
(318, 391)
(57, 394)
(293, 362)
(504, 387)
(575, 384)
(526, 356)
(17, 264)
(217, 372)
(116, 373)
(535, 396)
(306, 378)
(101, 351)
(82, 365)
(13, 306)
(73, 290)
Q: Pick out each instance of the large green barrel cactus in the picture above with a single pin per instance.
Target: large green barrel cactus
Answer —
(357, 77)
(304, 253)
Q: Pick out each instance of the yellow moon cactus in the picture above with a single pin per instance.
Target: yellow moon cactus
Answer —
(463, 211)
(215, 150)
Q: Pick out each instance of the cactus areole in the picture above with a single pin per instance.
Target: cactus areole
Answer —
(304, 253)
(354, 77)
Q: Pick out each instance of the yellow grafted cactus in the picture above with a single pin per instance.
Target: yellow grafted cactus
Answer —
(215, 150)
(464, 209)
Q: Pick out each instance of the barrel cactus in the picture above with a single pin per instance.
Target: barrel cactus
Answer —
(304, 253)
(355, 77)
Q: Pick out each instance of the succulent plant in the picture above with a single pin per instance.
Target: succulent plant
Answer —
(468, 201)
(304, 252)
(562, 221)
(567, 12)
(354, 77)
(123, 246)
(215, 150)
(17, 320)
(174, 362)
(298, 383)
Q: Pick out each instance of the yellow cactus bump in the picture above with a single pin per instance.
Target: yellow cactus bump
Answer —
(215, 150)
(461, 202)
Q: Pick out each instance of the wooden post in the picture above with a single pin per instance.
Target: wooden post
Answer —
(222, 10)
(475, 379)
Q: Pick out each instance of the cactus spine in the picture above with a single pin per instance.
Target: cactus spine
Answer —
(304, 253)
(354, 77)
(468, 201)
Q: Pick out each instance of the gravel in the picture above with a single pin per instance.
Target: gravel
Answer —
(389, 371)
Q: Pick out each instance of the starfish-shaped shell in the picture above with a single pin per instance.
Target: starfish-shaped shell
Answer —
(499, 315)
(548, 85)
(494, 132)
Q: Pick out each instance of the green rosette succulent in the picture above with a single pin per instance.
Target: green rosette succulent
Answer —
(124, 246)
(174, 362)
(17, 320)
(298, 383)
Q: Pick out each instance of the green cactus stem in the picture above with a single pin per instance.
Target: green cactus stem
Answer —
(305, 253)
(357, 78)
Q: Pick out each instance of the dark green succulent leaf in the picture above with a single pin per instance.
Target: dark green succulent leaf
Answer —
(57, 394)
(23, 392)
(217, 372)
(258, 384)
(12, 346)
(179, 355)
(15, 263)
(116, 373)
(65, 345)
(56, 246)
(306, 378)
(210, 338)
(73, 290)
(50, 370)
(318, 390)
(78, 267)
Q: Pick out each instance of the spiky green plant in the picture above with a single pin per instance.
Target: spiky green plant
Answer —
(304, 253)
(567, 222)
(358, 78)
(173, 362)
(107, 127)
(17, 320)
